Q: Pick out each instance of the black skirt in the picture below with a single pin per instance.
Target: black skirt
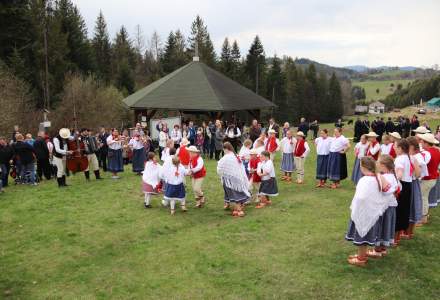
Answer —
(403, 207)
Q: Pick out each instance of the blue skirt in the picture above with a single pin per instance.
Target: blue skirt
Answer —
(246, 165)
(115, 161)
(337, 166)
(234, 196)
(369, 239)
(139, 158)
(385, 236)
(416, 209)
(174, 191)
(321, 167)
(268, 187)
(356, 174)
(434, 194)
(287, 163)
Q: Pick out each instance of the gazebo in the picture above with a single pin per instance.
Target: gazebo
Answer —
(193, 89)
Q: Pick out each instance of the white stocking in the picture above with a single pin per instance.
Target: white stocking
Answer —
(147, 199)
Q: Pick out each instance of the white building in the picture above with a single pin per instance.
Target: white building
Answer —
(376, 108)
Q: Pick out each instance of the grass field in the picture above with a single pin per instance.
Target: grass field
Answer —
(96, 241)
(384, 87)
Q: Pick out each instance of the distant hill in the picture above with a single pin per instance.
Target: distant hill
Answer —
(342, 73)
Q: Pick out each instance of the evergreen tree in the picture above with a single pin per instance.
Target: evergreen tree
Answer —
(291, 105)
(235, 61)
(174, 55)
(226, 58)
(276, 87)
(200, 35)
(102, 49)
(311, 88)
(335, 104)
(124, 61)
(322, 98)
(255, 67)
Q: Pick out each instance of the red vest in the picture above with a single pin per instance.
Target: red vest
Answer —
(375, 156)
(201, 173)
(183, 155)
(253, 164)
(271, 145)
(393, 153)
(433, 164)
(300, 148)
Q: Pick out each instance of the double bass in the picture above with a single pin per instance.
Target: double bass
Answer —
(77, 161)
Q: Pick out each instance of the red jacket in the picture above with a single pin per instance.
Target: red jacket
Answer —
(253, 164)
(300, 148)
(201, 173)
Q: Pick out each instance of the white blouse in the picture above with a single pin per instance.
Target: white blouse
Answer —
(394, 184)
(169, 175)
(136, 144)
(386, 149)
(361, 149)
(112, 144)
(245, 153)
(323, 145)
(266, 167)
(338, 144)
(420, 159)
(402, 162)
(288, 145)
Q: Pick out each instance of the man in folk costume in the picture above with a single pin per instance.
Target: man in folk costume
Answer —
(301, 151)
(90, 147)
(373, 149)
(198, 173)
(273, 144)
(59, 155)
(183, 153)
(431, 155)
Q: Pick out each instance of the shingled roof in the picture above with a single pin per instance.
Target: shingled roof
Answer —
(196, 87)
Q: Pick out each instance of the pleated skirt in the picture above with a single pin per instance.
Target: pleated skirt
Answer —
(369, 239)
(139, 158)
(387, 229)
(416, 209)
(434, 194)
(356, 173)
(268, 187)
(337, 166)
(115, 161)
(321, 167)
(234, 196)
(287, 163)
(174, 191)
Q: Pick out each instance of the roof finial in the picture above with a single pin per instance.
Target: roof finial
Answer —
(196, 51)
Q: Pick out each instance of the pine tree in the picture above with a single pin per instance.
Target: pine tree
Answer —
(291, 104)
(168, 62)
(256, 65)
(102, 49)
(335, 98)
(311, 88)
(235, 61)
(200, 35)
(322, 98)
(226, 58)
(276, 87)
(124, 61)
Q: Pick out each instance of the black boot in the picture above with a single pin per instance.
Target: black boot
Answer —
(87, 174)
(60, 182)
(97, 175)
(64, 180)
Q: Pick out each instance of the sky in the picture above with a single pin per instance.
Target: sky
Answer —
(335, 32)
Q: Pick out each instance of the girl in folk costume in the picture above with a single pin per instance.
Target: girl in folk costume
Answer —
(255, 179)
(268, 186)
(322, 150)
(420, 170)
(165, 154)
(430, 182)
(173, 175)
(385, 236)
(137, 145)
(176, 135)
(360, 150)
(273, 144)
(259, 146)
(183, 153)
(244, 154)
(263, 139)
(337, 160)
(367, 206)
(163, 139)
(288, 144)
(198, 172)
(387, 148)
(373, 149)
(200, 140)
(234, 180)
(151, 179)
(115, 160)
(300, 153)
(404, 169)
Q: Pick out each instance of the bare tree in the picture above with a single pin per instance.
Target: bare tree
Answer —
(155, 46)
(139, 40)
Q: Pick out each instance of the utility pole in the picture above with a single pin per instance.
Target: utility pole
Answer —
(46, 59)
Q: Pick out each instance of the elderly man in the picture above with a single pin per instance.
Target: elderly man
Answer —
(42, 154)
(254, 131)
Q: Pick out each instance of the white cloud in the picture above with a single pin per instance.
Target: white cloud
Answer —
(335, 32)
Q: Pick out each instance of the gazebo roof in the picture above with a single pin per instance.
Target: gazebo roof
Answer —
(196, 87)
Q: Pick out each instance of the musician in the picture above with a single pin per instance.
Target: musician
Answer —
(137, 144)
(43, 156)
(103, 148)
(115, 161)
(90, 149)
(59, 155)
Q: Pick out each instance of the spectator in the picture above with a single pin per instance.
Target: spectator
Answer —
(314, 126)
(191, 133)
(273, 125)
(26, 155)
(6, 156)
(254, 131)
(303, 127)
(42, 154)
(389, 126)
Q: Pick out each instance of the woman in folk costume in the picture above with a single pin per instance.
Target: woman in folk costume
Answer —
(173, 175)
(254, 180)
(115, 160)
(337, 161)
(300, 153)
(322, 151)
(367, 206)
(234, 180)
(385, 237)
(198, 172)
(151, 179)
(176, 135)
(373, 149)
(430, 183)
(404, 169)
(387, 148)
(183, 153)
(137, 145)
(288, 144)
(273, 144)
(360, 150)
(420, 171)
(268, 186)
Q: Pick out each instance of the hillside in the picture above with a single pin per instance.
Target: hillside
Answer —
(342, 73)
(386, 87)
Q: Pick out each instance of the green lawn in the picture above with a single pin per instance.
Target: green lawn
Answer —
(95, 240)
(384, 87)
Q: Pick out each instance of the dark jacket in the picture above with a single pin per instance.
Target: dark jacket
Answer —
(6, 154)
(24, 152)
(40, 148)
(254, 133)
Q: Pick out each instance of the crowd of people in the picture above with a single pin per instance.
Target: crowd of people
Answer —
(396, 172)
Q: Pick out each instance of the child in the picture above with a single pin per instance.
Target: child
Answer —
(387, 147)
(367, 206)
(183, 153)
(268, 186)
(337, 160)
(322, 150)
(173, 174)
(198, 173)
(259, 146)
(244, 154)
(301, 151)
(373, 149)
(262, 138)
(288, 144)
(200, 139)
(166, 151)
(151, 178)
(255, 180)
(385, 237)
(273, 144)
(234, 180)
(360, 150)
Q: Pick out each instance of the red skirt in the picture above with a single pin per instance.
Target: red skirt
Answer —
(147, 188)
